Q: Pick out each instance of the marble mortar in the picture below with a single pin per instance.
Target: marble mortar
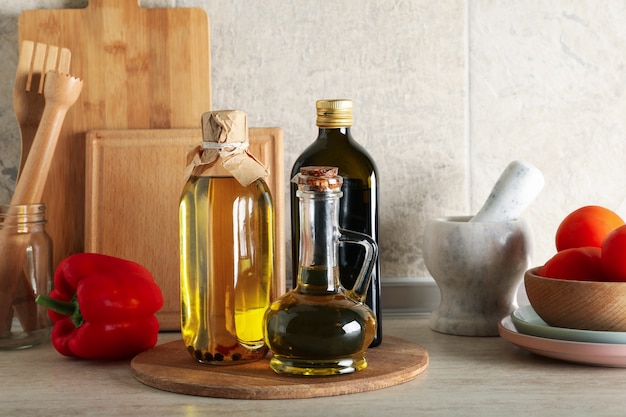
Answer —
(478, 267)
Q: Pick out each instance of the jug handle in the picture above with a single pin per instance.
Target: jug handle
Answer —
(359, 290)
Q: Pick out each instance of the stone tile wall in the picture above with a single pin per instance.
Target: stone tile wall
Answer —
(446, 94)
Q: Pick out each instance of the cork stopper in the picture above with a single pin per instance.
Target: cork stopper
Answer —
(334, 114)
(318, 179)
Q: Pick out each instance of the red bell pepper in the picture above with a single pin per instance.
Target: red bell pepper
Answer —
(102, 307)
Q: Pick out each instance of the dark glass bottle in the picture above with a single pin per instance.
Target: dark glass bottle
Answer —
(335, 146)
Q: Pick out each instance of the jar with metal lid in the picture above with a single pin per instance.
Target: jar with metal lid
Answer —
(25, 323)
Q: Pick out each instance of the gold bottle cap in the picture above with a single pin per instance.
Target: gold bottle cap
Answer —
(334, 113)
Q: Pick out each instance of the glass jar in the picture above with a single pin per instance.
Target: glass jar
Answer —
(27, 272)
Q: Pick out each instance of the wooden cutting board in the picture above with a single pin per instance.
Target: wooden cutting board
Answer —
(142, 68)
(134, 179)
(169, 367)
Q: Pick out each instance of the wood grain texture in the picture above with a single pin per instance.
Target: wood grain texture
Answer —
(583, 305)
(36, 59)
(134, 179)
(142, 68)
(169, 367)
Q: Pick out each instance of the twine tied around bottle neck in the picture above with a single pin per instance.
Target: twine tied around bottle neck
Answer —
(225, 139)
(224, 147)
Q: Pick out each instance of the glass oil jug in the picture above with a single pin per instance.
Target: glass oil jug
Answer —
(226, 245)
(320, 328)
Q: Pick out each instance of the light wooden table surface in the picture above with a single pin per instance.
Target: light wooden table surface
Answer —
(467, 376)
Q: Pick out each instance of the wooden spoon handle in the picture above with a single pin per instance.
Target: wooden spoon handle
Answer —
(29, 189)
(61, 92)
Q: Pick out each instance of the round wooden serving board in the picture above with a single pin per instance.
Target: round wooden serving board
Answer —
(170, 367)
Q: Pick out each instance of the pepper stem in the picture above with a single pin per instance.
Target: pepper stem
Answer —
(67, 308)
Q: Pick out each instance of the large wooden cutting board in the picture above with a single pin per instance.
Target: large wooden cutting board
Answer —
(134, 180)
(142, 68)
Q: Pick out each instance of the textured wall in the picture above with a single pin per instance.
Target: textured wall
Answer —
(446, 94)
(547, 83)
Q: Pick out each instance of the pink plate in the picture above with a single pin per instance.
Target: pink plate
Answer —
(597, 354)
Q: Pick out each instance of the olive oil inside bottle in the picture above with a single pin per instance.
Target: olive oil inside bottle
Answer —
(223, 301)
(301, 345)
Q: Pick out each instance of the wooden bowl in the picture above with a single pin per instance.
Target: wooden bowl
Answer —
(585, 305)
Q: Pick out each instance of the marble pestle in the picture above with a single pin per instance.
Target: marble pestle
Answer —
(518, 185)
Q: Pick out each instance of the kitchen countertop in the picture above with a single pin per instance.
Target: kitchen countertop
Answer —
(467, 376)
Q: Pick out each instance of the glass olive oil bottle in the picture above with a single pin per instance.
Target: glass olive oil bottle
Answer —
(335, 146)
(226, 224)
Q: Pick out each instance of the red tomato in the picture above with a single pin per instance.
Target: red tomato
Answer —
(579, 264)
(587, 226)
(614, 255)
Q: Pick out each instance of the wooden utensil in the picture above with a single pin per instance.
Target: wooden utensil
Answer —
(143, 68)
(133, 183)
(35, 60)
(60, 91)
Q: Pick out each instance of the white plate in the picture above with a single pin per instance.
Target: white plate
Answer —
(598, 354)
(527, 321)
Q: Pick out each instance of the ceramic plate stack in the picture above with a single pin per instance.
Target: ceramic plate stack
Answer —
(528, 331)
